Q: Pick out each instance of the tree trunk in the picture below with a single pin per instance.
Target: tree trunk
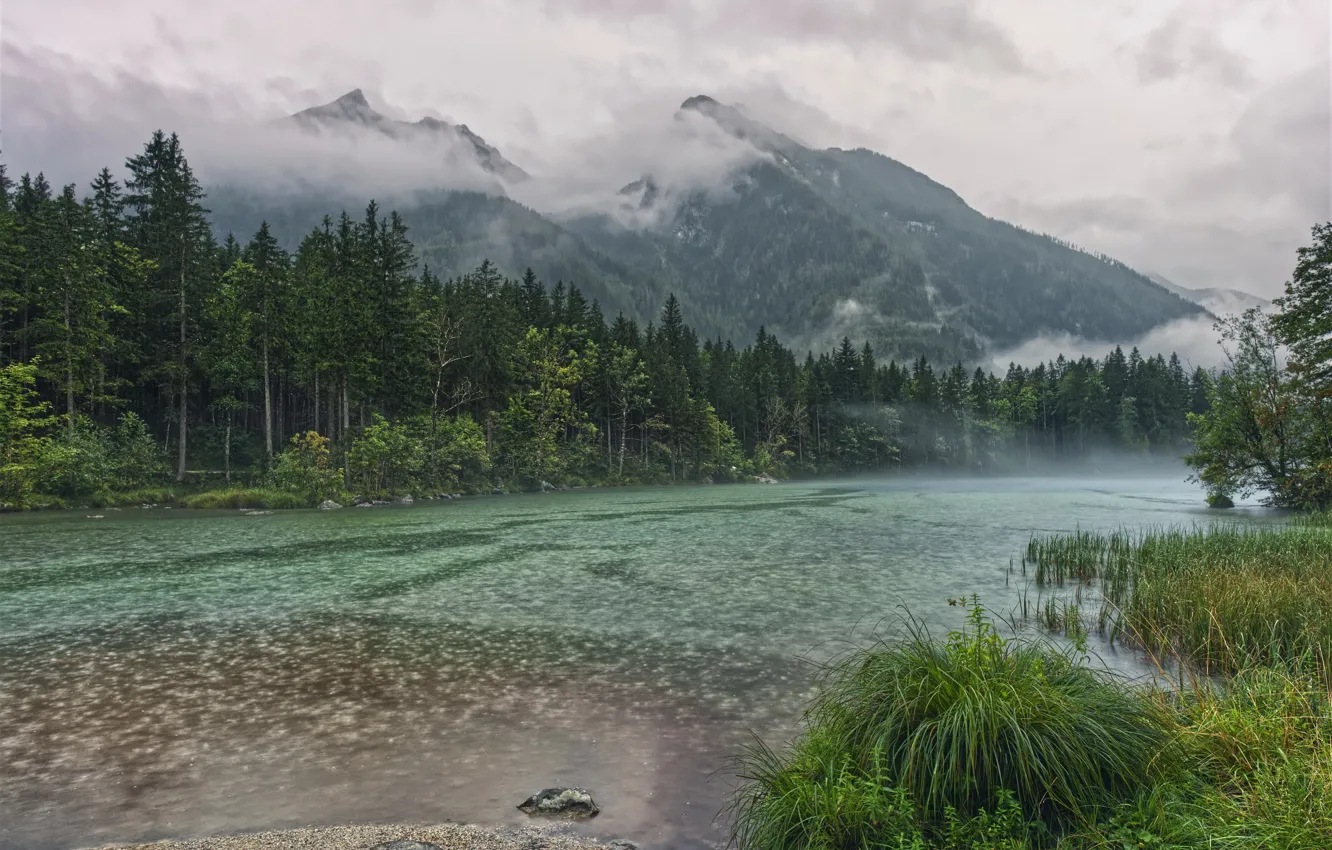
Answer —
(226, 450)
(69, 364)
(624, 437)
(268, 411)
(346, 407)
(184, 391)
(315, 406)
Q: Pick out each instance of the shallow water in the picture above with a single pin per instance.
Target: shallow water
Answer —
(170, 673)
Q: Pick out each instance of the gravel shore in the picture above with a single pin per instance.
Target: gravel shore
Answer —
(363, 837)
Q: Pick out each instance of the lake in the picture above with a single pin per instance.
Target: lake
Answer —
(169, 673)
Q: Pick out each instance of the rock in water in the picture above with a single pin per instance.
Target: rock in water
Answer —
(566, 802)
(329, 505)
(546, 486)
(404, 500)
(405, 844)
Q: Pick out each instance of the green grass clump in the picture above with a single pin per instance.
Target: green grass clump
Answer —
(1223, 598)
(935, 735)
(236, 498)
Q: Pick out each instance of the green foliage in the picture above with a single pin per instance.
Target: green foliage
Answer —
(136, 459)
(1269, 426)
(24, 419)
(385, 458)
(453, 452)
(306, 469)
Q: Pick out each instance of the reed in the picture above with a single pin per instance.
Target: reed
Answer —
(1222, 598)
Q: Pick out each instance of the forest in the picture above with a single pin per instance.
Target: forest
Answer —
(137, 350)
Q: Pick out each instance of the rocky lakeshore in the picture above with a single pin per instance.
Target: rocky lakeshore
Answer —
(391, 837)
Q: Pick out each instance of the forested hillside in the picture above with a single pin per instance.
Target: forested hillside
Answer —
(137, 348)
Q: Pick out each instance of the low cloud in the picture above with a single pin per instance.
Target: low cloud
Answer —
(1194, 339)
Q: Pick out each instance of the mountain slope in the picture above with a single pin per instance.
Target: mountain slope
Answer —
(1215, 300)
(817, 243)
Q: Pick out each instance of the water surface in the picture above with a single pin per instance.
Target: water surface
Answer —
(171, 673)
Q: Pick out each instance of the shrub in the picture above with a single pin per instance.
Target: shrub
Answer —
(386, 457)
(136, 459)
(305, 469)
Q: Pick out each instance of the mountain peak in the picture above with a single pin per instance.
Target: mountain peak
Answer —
(700, 102)
(353, 110)
(355, 97)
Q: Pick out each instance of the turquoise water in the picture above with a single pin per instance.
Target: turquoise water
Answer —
(170, 673)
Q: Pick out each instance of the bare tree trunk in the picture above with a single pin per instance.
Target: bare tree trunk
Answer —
(315, 406)
(346, 407)
(226, 449)
(268, 410)
(69, 364)
(624, 436)
(184, 392)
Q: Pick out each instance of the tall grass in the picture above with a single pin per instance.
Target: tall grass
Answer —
(1223, 598)
(959, 728)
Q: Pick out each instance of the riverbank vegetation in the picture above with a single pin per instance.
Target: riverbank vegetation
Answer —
(1268, 426)
(131, 338)
(981, 741)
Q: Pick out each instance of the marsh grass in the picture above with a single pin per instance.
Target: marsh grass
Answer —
(1222, 599)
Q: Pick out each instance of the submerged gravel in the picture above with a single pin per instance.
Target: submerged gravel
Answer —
(364, 837)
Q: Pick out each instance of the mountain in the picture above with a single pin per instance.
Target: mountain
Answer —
(811, 244)
(820, 243)
(1219, 302)
(353, 112)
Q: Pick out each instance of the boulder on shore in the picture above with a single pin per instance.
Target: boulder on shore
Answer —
(405, 500)
(765, 479)
(563, 802)
(329, 505)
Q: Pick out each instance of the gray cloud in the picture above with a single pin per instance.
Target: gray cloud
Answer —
(923, 30)
(1176, 47)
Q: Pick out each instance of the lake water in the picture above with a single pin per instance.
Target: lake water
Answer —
(166, 673)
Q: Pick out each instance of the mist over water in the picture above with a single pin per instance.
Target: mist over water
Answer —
(171, 673)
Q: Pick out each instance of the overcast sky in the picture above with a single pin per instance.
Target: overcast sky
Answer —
(1187, 137)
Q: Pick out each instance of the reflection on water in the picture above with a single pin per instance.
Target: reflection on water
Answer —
(171, 674)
